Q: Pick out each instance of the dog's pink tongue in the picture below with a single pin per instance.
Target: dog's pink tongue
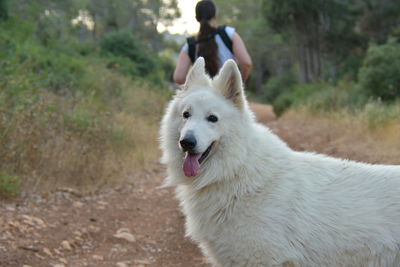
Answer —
(191, 165)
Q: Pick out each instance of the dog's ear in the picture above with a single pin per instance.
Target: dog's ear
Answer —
(229, 82)
(197, 75)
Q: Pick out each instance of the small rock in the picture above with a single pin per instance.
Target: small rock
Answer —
(102, 203)
(125, 234)
(33, 221)
(77, 204)
(71, 191)
(48, 252)
(121, 264)
(40, 256)
(141, 262)
(66, 245)
(94, 229)
(98, 257)
(11, 208)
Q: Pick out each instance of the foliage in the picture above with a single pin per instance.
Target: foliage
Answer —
(65, 118)
(380, 72)
(49, 69)
(92, 19)
(9, 185)
(124, 44)
(319, 30)
(321, 97)
(380, 19)
(279, 85)
(3, 10)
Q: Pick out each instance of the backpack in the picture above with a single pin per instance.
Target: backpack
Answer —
(220, 31)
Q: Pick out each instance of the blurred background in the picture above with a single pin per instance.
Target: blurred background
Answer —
(84, 83)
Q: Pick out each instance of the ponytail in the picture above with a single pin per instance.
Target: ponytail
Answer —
(208, 48)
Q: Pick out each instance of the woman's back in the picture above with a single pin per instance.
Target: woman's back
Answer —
(225, 51)
(211, 46)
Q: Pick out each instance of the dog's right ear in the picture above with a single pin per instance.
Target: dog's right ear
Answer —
(197, 75)
(229, 82)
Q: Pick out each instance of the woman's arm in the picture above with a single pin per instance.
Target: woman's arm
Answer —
(242, 56)
(182, 67)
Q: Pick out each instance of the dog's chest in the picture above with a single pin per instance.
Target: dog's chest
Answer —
(239, 225)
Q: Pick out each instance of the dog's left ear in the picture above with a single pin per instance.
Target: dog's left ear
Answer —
(229, 82)
(197, 75)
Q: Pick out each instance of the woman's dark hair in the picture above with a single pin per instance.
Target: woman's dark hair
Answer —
(208, 49)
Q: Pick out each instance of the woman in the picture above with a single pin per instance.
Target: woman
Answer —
(211, 44)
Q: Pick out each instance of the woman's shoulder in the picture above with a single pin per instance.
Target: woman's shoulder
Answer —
(229, 30)
(185, 47)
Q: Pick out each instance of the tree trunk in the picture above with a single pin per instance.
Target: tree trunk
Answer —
(258, 76)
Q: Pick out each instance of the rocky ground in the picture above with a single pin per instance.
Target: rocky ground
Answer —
(136, 225)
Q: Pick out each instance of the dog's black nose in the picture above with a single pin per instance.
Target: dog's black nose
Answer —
(188, 143)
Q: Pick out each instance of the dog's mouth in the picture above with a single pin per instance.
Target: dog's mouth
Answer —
(191, 164)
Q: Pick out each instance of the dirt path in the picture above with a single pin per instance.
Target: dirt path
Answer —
(138, 225)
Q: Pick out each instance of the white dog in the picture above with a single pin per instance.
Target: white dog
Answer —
(250, 200)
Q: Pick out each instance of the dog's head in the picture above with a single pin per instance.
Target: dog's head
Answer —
(205, 120)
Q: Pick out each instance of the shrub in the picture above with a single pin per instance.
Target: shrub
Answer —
(28, 65)
(125, 44)
(380, 74)
(279, 85)
(321, 97)
(123, 65)
(9, 185)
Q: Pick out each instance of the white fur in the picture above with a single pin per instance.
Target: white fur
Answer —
(256, 202)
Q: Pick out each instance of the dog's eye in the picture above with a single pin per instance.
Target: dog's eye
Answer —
(212, 118)
(186, 114)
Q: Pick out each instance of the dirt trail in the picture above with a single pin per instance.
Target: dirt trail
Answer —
(137, 225)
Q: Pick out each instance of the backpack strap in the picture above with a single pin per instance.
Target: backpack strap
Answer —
(225, 38)
(191, 41)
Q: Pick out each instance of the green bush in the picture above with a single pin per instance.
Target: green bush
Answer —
(123, 65)
(297, 94)
(380, 74)
(279, 85)
(321, 97)
(125, 44)
(9, 185)
(26, 66)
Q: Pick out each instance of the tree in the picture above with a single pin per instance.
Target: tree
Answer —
(307, 24)
(138, 16)
(3, 10)
(379, 19)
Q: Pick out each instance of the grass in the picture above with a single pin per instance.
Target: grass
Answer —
(346, 100)
(58, 141)
(369, 135)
